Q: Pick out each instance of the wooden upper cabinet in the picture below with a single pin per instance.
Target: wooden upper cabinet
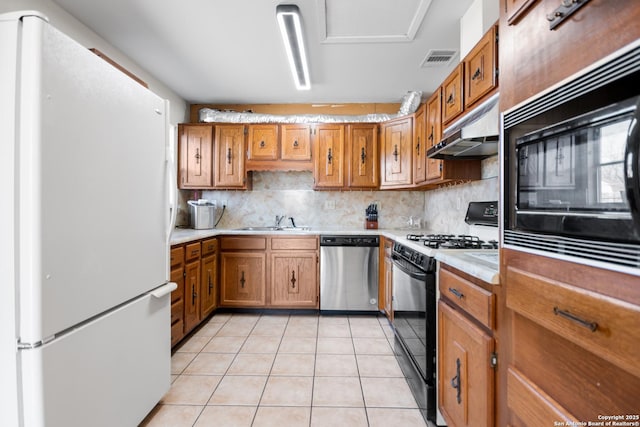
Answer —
(296, 142)
(363, 161)
(229, 159)
(329, 156)
(433, 132)
(516, 9)
(420, 145)
(397, 150)
(263, 142)
(195, 156)
(452, 94)
(480, 68)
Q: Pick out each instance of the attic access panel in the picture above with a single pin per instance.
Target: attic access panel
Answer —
(362, 21)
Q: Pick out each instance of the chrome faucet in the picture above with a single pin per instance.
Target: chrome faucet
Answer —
(293, 223)
(279, 219)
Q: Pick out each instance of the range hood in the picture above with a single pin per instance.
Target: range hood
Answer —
(475, 136)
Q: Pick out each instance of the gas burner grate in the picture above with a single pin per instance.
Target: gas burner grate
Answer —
(452, 241)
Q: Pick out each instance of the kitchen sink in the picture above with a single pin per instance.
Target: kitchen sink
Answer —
(302, 228)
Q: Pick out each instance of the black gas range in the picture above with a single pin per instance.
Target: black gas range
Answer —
(414, 303)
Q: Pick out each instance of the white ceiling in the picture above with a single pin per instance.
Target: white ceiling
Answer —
(217, 51)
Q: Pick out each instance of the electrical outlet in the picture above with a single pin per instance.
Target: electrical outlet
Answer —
(224, 202)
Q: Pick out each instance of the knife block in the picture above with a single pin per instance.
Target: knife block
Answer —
(370, 225)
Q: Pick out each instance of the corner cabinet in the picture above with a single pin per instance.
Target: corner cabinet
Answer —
(466, 376)
(397, 149)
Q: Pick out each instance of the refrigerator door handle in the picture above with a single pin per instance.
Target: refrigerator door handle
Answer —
(164, 290)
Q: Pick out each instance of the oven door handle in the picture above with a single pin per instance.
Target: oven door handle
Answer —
(632, 168)
(414, 273)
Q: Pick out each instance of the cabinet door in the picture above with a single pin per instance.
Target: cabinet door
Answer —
(294, 280)
(229, 143)
(195, 156)
(296, 142)
(452, 89)
(397, 151)
(419, 149)
(263, 142)
(386, 294)
(362, 145)
(480, 68)
(433, 133)
(177, 305)
(329, 159)
(243, 279)
(191, 291)
(208, 285)
(465, 377)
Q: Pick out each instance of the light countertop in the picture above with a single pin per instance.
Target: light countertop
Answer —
(482, 264)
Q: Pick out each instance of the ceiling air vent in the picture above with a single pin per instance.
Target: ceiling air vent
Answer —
(438, 58)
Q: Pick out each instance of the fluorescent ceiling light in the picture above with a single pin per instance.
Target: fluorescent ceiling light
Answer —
(289, 21)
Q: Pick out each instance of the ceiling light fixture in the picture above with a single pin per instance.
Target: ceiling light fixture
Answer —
(288, 16)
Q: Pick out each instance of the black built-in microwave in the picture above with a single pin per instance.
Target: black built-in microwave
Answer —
(571, 167)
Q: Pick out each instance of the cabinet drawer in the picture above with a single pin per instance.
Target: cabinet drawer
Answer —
(533, 405)
(246, 243)
(209, 246)
(600, 324)
(177, 256)
(192, 251)
(470, 297)
(177, 312)
(305, 243)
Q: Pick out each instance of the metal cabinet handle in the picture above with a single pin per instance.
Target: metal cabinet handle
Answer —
(456, 292)
(418, 146)
(431, 135)
(455, 381)
(242, 280)
(362, 155)
(329, 156)
(229, 155)
(262, 144)
(395, 152)
(295, 143)
(293, 279)
(450, 99)
(194, 295)
(197, 156)
(209, 282)
(592, 326)
(476, 75)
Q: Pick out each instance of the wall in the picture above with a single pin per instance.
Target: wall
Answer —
(291, 194)
(66, 23)
(446, 207)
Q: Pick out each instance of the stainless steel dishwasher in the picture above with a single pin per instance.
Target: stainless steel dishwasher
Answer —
(349, 273)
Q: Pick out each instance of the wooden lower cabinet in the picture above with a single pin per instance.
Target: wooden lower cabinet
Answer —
(243, 277)
(465, 377)
(191, 291)
(208, 288)
(294, 279)
(177, 296)
(385, 291)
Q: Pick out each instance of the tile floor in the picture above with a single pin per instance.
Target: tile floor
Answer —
(287, 371)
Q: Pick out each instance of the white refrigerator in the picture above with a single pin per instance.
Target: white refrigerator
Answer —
(85, 224)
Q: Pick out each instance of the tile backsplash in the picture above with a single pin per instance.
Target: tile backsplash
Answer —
(291, 194)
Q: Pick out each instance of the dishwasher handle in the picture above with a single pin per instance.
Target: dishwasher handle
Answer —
(408, 269)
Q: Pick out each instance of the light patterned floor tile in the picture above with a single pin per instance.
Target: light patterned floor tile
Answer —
(191, 390)
(387, 393)
(379, 346)
(282, 416)
(337, 391)
(335, 346)
(239, 390)
(378, 366)
(209, 364)
(179, 361)
(193, 344)
(287, 391)
(340, 417)
(224, 345)
(261, 344)
(298, 345)
(302, 365)
(341, 365)
(385, 417)
(251, 364)
(172, 416)
(226, 416)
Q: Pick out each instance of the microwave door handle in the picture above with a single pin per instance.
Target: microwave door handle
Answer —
(632, 168)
